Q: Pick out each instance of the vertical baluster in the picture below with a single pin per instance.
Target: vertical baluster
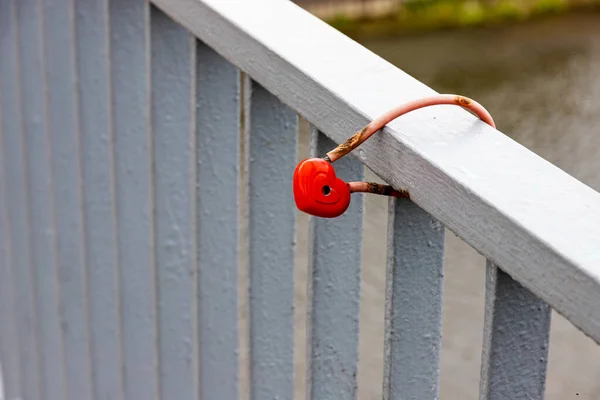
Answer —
(43, 227)
(130, 97)
(21, 115)
(334, 288)
(271, 149)
(91, 27)
(8, 339)
(173, 115)
(218, 155)
(63, 130)
(413, 317)
(515, 343)
(9, 342)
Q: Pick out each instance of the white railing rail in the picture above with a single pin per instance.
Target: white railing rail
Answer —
(119, 177)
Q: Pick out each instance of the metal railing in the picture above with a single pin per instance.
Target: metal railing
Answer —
(121, 153)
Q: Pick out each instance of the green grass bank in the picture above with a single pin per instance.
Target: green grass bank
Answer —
(419, 16)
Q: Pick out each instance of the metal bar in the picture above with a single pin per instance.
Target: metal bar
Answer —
(271, 149)
(413, 317)
(8, 334)
(62, 126)
(218, 162)
(20, 67)
(130, 98)
(454, 166)
(334, 288)
(91, 29)
(173, 125)
(515, 342)
(9, 341)
(42, 215)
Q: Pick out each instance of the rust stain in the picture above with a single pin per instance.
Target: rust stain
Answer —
(462, 101)
(386, 190)
(402, 193)
(349, 144)
(377, 188)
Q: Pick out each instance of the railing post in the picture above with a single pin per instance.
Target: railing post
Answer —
(130, 99)
(8, 334)
(334, 289)
(413, 318)
(271, 151)
(218, 139)
(62, 127)
(515, 343)
(20, 21)
(97, 145)
(9, 341)
(173, 67)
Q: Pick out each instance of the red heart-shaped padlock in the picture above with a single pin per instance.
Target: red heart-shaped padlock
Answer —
(318, 191)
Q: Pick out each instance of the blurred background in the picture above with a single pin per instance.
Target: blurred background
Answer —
(535, 65)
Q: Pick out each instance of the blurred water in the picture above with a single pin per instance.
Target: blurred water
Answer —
(541, 82)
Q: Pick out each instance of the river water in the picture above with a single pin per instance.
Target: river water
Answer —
(541, 82)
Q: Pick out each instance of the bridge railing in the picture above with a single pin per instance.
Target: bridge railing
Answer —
(120, 222)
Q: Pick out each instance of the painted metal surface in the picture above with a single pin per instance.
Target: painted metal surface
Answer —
(271, 151)
(130, 98)
(93, 92)
(414, 289)
(20, 118)
(173, 134)
(62, 127)
(8, 335)
(218, 135)
(42, 212)
(9, 341)
(334, 288)
(452, 163)
(515, 341)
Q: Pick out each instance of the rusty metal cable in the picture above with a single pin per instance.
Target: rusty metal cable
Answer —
(377, 124)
